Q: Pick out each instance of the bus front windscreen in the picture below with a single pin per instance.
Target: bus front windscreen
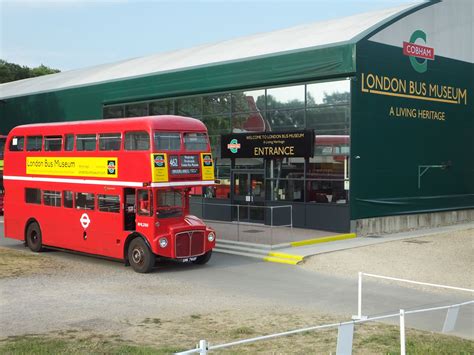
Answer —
(169, 204)
(195, 141)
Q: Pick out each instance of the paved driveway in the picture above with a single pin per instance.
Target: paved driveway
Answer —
(93, 291)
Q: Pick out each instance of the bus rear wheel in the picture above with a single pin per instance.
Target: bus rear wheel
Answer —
(140, 257)
(33, 237)
(201, 260)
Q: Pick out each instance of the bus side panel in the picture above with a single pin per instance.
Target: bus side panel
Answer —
(15, 213)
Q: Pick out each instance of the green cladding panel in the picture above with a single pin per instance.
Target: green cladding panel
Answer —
(404, 119)
(86, 102)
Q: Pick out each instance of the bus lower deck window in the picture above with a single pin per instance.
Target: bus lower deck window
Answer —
(85, 201)
(68, 198)
(108, 203)
(52, 198)
(33, 196)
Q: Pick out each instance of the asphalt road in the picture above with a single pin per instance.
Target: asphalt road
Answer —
(104, 291)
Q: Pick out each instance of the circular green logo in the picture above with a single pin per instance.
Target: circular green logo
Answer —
(233, 146)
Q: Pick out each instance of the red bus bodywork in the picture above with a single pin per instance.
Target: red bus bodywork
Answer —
(109, 188)
(2, 192)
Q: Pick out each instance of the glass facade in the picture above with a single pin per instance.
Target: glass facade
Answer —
(323, 106)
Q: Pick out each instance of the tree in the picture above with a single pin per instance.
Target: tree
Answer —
(11, 71)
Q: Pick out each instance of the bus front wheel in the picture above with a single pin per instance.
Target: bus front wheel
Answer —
(140, 257)
(33, 237)
(201, 260)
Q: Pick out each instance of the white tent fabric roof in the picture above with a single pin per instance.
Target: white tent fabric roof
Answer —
(319, 34)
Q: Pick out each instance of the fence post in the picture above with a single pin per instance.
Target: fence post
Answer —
(402, 332)
(291, 220)
(359, 297)
(202, 347)
(271, 227)
(238, 223)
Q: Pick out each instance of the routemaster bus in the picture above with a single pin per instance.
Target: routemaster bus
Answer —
(117, 188)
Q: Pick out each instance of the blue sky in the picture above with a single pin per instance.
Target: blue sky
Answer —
(71, 34)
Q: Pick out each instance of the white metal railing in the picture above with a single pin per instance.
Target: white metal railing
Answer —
(343, 342)
(359, 290)
(346, 329)
(271, 208)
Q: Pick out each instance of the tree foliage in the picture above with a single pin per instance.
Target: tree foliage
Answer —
(11, 71)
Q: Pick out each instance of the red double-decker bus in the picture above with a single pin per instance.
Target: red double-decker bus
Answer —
(117, 188)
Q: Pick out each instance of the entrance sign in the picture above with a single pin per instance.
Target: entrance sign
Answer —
(268, 144)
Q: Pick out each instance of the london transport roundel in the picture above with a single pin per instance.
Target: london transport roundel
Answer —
(85, 220)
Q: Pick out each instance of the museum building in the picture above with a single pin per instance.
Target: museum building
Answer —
(363, 123)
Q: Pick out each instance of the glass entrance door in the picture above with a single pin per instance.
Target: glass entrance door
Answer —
(249, 194)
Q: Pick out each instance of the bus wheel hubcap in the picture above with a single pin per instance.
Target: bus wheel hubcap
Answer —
(137, 256)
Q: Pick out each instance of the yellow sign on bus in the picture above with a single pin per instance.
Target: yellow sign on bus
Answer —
(73, 166)
(207, 166)
(159, 167)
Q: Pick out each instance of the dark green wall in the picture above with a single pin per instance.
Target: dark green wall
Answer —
(86, 102)
(384, 180)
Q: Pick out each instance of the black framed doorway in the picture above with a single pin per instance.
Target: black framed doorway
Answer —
(248, 188)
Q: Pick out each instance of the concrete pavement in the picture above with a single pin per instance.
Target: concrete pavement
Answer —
(234, 280)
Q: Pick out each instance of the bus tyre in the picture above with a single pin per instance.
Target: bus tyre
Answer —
(201, 260)
(140, 256)
(33, 237)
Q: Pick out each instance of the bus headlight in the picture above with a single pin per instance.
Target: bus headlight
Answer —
(163, 242)
(211, 237)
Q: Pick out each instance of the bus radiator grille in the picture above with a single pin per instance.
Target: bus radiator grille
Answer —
(189, 244)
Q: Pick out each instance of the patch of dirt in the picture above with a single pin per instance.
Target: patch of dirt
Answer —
(15, 263)
(445, 258)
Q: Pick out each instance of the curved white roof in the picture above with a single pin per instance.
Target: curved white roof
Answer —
(319, 34)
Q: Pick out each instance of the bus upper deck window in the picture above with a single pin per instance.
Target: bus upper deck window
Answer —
(85, 142)
(17, 144)
(110, 141)
(53, 143)
(195, 141)
(167, 141)
(69, 143)
(33, 143)
(137, 141)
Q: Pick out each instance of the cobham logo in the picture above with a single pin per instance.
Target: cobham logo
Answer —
(415, 50)
(419, 54)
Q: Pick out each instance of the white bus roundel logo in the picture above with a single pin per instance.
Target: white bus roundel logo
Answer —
(85, 220)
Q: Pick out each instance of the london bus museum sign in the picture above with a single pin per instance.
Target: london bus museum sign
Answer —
(268, 144)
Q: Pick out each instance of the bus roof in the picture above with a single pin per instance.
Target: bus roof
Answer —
(162, 123)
